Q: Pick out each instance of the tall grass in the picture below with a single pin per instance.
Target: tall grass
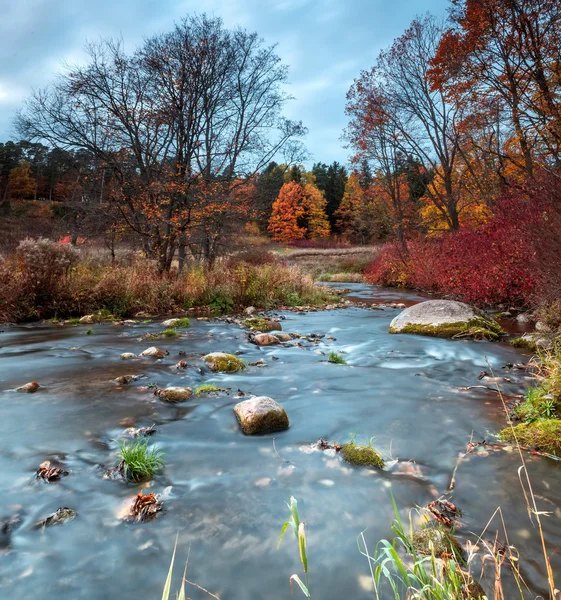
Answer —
(84, 286)
(298, 527)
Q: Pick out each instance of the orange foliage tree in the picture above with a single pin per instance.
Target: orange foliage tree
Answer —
(288, 210)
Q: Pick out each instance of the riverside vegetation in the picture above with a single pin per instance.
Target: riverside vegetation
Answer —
(44, 279)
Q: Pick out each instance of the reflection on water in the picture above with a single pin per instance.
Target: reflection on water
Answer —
(226, 493)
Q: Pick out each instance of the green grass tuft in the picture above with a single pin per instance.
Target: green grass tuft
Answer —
(169, 333)
(336, 358)
(182, 323)
(140, 460)
(207, 388)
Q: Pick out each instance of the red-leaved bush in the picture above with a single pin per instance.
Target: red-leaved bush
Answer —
(515, 258)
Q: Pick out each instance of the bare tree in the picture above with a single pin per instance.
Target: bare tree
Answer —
(180, 123)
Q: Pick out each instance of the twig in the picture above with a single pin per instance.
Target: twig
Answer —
(200, 588)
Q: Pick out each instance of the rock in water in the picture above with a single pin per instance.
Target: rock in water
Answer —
(224, 363)
(262, 324)
(29, 388)
(128, 355)
(61, 515)
(261, 415)
(265, 339)
(174, 394)
(446, 319)
(153, 352)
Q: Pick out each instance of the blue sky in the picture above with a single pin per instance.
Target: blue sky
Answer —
(326, 43)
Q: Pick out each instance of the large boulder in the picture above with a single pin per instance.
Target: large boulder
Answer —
(220, 362)
(446, 319)
(261, 415)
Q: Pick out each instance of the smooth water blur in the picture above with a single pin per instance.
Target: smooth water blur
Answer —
(225, 493)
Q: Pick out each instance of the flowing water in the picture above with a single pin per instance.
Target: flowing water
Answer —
(225, 493)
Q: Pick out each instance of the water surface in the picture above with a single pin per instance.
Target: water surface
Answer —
(225, 493)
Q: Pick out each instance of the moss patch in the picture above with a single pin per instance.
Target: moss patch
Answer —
(543, 434)
(169, 333)
(362, 456)
(262, 324)
(431, 539)
(224, 363)
(478, 328)
(207, 388)
(523, 342)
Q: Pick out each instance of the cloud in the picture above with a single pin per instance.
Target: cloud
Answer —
(324, 42)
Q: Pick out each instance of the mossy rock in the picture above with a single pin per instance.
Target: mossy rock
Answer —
(446, 319)
(362, 456)
(219, 362)
(543, 434)
(429, 539)
(261, 415)
(178, 323)
(262, 324)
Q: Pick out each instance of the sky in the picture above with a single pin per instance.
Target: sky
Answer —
(325, 43)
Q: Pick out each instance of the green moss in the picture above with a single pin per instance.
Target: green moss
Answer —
(478, 328)
(169, 333)
(73, 321)
(433, 539)
(224, 363)
(182, 323)
(207, 388)
(362, 456)
(262, 324)
(522, 342)
(543, 434)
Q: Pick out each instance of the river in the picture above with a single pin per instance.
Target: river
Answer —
(225, 493)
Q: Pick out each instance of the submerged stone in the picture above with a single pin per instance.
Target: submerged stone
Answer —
(125, 379)
(221, 362)
(28, 388)
(174, 394)
(127, 355)
(261, 415)
(60, 516)
(446, 319)
(362, 456)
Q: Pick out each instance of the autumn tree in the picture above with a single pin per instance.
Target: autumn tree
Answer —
(179, 123)
(394, 113)
(288, 211)
(20, 182)
(314, 217)
(503, 59)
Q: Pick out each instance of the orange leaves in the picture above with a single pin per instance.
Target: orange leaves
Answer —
(287, 210)
(298, 213)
